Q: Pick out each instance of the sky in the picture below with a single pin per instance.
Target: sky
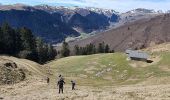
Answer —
(118, 5)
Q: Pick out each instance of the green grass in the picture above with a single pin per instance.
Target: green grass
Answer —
(83, 69)
(82, 36)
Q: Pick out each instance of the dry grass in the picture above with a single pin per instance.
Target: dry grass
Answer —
(43, 91)
(118, 80)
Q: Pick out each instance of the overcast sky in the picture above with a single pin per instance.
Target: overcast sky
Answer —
(118, 5)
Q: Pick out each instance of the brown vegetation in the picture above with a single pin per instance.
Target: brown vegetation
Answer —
(10, 73)
(136, 35)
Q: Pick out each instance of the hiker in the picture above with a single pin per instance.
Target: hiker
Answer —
(61, 85)
(48, 80)
(73, 85)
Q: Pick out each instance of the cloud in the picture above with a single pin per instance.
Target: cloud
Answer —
(119, 5)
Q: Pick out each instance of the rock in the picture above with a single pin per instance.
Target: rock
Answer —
(109, 69)
(11, 64)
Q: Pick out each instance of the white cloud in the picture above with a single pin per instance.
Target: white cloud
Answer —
(120, 5)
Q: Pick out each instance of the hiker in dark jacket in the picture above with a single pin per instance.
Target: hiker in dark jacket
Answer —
(73, 85)
(48, 80)
(61, 85)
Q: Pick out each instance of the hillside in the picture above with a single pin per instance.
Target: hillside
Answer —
(98, 77)
(33, 68)
(110, 69)
(136, 35)
(43, 24)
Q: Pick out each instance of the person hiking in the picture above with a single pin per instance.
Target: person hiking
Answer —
(73, 85)
(60, 84)
(48, 80)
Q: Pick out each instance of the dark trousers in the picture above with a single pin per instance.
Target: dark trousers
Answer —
(48, 80)
(73, 87)
(60, 89)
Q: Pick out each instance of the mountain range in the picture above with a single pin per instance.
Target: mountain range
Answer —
(134, 29)
(54, 24)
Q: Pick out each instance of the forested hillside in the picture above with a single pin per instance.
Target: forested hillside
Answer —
(22, 43)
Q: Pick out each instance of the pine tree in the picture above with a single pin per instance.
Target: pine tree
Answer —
(18, 41)
(80, 50)
(88, 49)
(107, 49)
(28, 40)
(1, 42)
(52, 53)
(45, 53)
(65, 52)
(8, 38)
(94, 49)
(40, 50)
(84, 51)
(76, 50)
(28, 44)
(112, 51)
(22, 43)
(101, 47)
(99, 50)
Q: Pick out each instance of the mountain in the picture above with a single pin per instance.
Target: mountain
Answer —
(54, 24)
(136, 35)
(135, 15)
(84, 19)
(50, 27)
(43, 24)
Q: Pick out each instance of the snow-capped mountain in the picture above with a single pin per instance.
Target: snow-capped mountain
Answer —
(54, 23)
(54, 9)
(107, 12)
(135, 15)
(142, 11)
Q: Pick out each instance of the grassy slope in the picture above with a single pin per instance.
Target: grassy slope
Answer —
(83, 69)
(73, 67)
(32, 68)
(102, 69)
(153, 79)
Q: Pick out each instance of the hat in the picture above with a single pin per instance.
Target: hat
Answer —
(59, 75)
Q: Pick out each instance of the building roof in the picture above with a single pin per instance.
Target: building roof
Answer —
(137, 54)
